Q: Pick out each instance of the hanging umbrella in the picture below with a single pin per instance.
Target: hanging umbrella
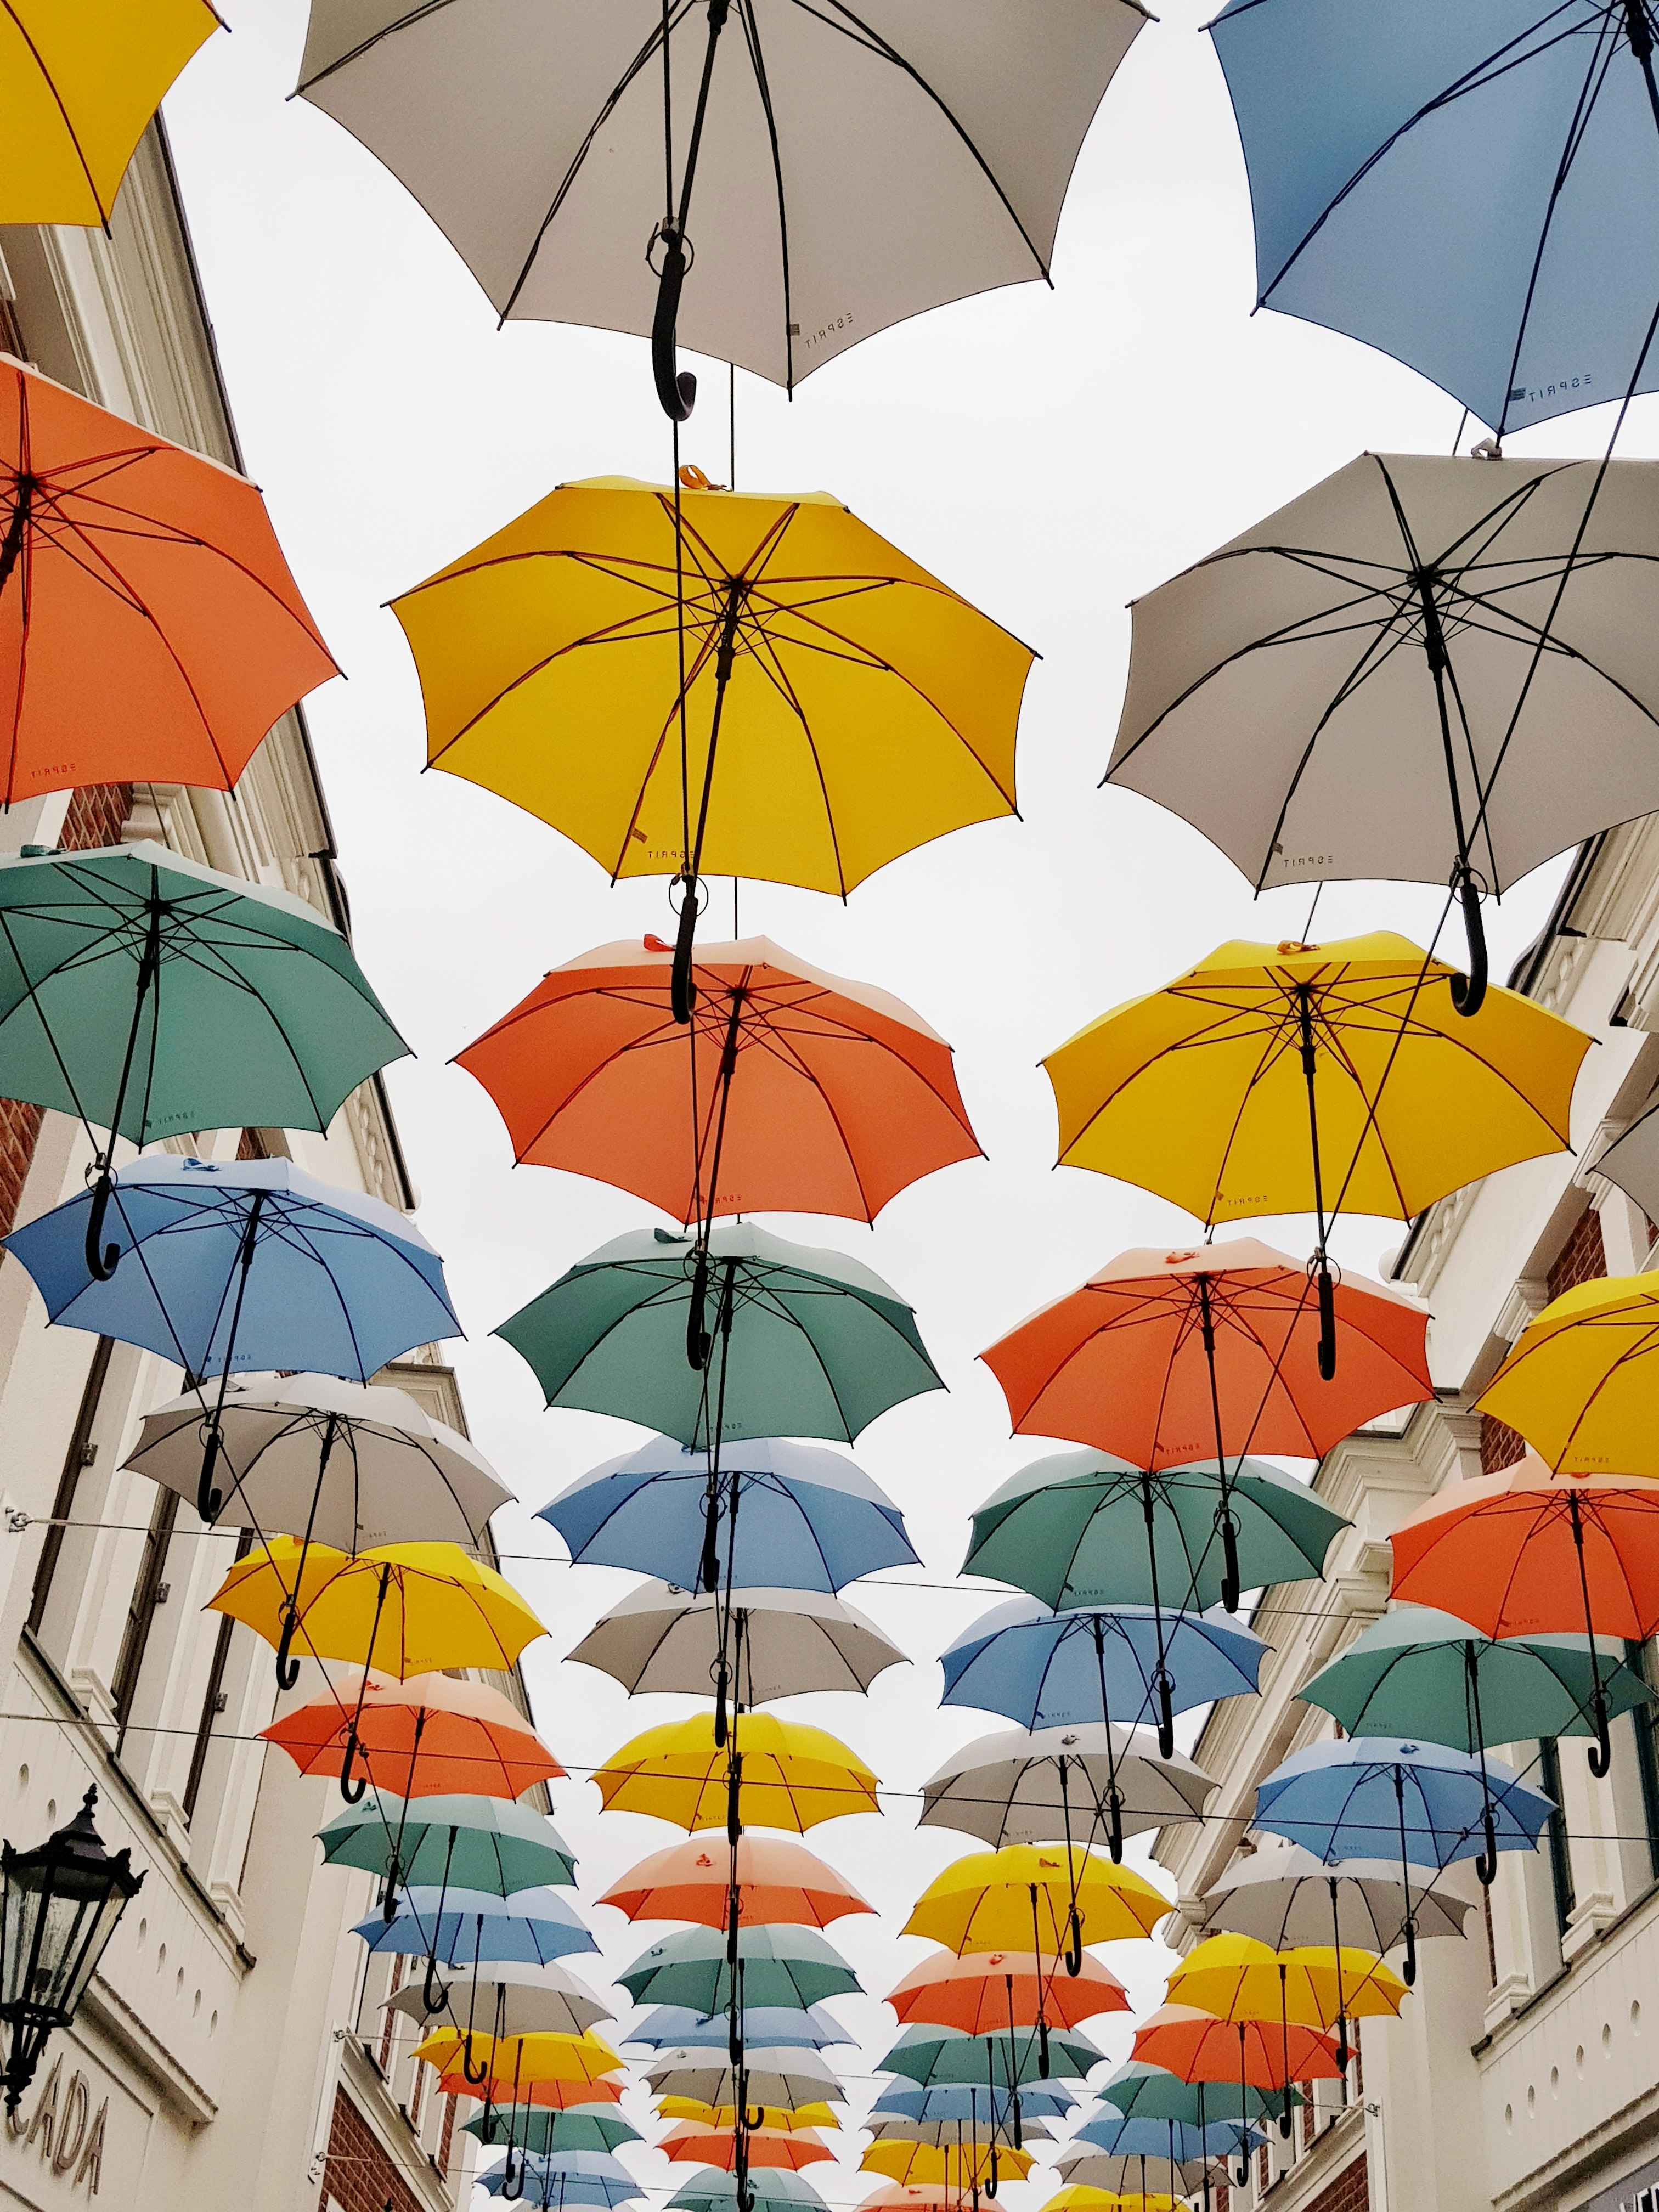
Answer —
(770, 2077)
(1578, 1381)
(539, 146)
(956, 2104)
(1179, 2145)
(512, 2000)
(686, 680)
(972, 1992)
(530, 2058)
(777, 2148)
(783, 2120)
(1048, 1785)
(790, 1340)
(1374, 1794)
(1372, 681)
(987, 1901)
(1421, 1673)
(1143, 2091)
(1246, 2054)
(150, 996)
(970, 2165)
(910, 2197)
(475, 1929)
(150, 626)
(1527, 1551)
(781, 1515)
(475, 1843)
(1103, 2177)
(552, 2184)
(1308, 1078)
(786, 1643)
(1176, 1356)
(769, 1774)
(782, 1965)
(1631, 1162)
(778, 1880)
(537, 2131)
(779, 2026)
(928, 2055)
(1284, 1895)
(713, 2189)
(429, 1736)
(795, 1091)
(254, 1265)
(1048, 1669)
(1537, 126)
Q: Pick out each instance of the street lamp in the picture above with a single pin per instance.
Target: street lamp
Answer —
(58, 1906)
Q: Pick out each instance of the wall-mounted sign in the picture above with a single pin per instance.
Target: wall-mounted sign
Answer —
(78, 2133)
(1637, 2192)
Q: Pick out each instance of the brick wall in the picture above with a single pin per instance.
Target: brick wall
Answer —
(1350, 2192)
(94, 817)
(358, 2174)
(1500, 1445)
(1582, 1258)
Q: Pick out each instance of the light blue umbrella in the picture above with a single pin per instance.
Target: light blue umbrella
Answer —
(1122, 1663)
(1470, 189)
(1368, 1797)
(778, 1515)
(1120, 2135)
(247, 1265)
(969, 2102)
(711, 2189)
(561, 2178)
(474, 1928)
(777, 2027)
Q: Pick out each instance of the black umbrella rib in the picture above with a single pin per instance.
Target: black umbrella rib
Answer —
(415, 14)
(70, 131)
(275, 1020)
(763, 87)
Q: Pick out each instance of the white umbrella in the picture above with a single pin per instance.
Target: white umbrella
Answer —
(783, 1643)
(1431, 669)
(510, 2000)
(1032, 1785)
(1127, 2173)
(1285, 1896)
(852, 166)
(771, 2077)
(1632, 1162)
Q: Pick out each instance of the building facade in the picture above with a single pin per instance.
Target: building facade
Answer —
(233, 2048)
(1523, 2073)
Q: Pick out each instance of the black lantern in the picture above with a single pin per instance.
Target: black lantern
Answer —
(58, 1906)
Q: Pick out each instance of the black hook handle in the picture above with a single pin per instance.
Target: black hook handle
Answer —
(1166, 1715)
(734, 1800)
(677, 388)
(350, 1790)
(995, 2178)
(1113, 1826)
(208, 1500)
(1326, 1286)
(466, 2062)
(287, 1670)
(1075, 1947)
(1019, 2129)
(1408, 1968)
(434, 1996)
(1486, 1861)
(698, 1344)
(1342, 2041)
(1601, 1756)
(720, 1686)
(1230, 1576)
(512, 2182)
(102, 1259)
(682, 984)
(1042, 2047)
(1468, 993)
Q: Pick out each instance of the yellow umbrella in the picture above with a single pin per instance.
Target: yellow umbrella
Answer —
(1579, 1383)
(404, 1608)
(1236, 1978)
(526, 2059)
(963, 2165)
(79, 82)
(840, 705)
(791, 1775)
(1079, 2197)
(1310, 1078)
(990, 1901)
(779, 2118)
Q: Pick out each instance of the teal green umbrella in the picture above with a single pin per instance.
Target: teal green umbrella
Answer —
(1083, 1528)
(712, 2189)
(152, 997)
(931, 2056)
(458, 1843)
(532, 2128)
(1153, 2092)
(798, 1342)
(793, 1967)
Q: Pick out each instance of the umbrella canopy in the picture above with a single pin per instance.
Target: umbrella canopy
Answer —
(1089, 2197)
(791, 1088)
(1050, 1785)
(404, 1608)
(1173, 1358)
(517, 2001)
(791, 1776)
(1198, 2047)
(770, 2077)
(789, 2150)
(778, 1882)
(786, 1515)
(910, 2197)
(955, 2167)
(550, 2185)
(1284, 1895)
(474, 1928)
(840, 706)
(150, 626)
(785, 1643)
(426, 1737)
(782, 1965)
(1180, 2143)
(1631, 1161)
(807, 1343)
(1048, 1669)
(1237, 1978)
(357, 1465)
(1143, 2091)
(150, 996)
(714, 2190)
(534, 2130)
(929, 2055)
(331, 1281)
(783, 2120)
(1578, 1382)
(780, 2028)
(980, 1992)
(959, 2105)
(475, 1843)
(525, 2060)
(1073, 1530)
(985, 1902)
(1422, 1673)
(537, 145)
(1535, 124)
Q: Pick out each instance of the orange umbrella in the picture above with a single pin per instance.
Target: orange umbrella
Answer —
(150, 628)
(1196, 2046)
(430, 1737)
(790, 1090)
(789, 2148)
(1529, 1552)
(1169, 1358)
(973, 1992)
(549, 2096)
(912, 2196)
(778, 1882)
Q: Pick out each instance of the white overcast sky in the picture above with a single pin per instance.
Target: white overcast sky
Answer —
(1050, 454)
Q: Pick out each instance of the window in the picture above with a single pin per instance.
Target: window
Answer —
(76, 1460)
(213, 1702)
(1644, 1719)
(147, 1592)
(1549, 1781)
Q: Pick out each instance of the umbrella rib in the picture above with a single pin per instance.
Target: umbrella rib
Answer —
(73, 136)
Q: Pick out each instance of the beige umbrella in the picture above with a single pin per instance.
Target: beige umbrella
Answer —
(510, 2000)
(770, 2077)
(1042, 1785)
(782, 1643)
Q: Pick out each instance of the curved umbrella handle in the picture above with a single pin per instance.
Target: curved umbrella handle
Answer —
(1075, 1947)
(102, 1259)
(993, 2180)
(1600, 1753)
(682, 986)
(1166, 1715)
(1042, 2047)
(1113, 1829)
(698, 1344)
(1020, 2126)
(677, 389)
(350, 1790)
(721, 1684)
(1326, 1285)
(208, 1500)
(1486, 1861)
(1408, 1965)
(466, 2061)
(1468, 993)
(1342, 2041)
(434, 1996)
(511, 2192)
(287, 1670)
(1230, 1579)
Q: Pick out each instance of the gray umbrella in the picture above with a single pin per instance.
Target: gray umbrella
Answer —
(853, 167)
(783, 1643)
(1631, 1162)
(771, 2077)
(1375, 681)
(1032, 1785)
(1100, 2169)
(1285, 1896)
(510, 2000)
